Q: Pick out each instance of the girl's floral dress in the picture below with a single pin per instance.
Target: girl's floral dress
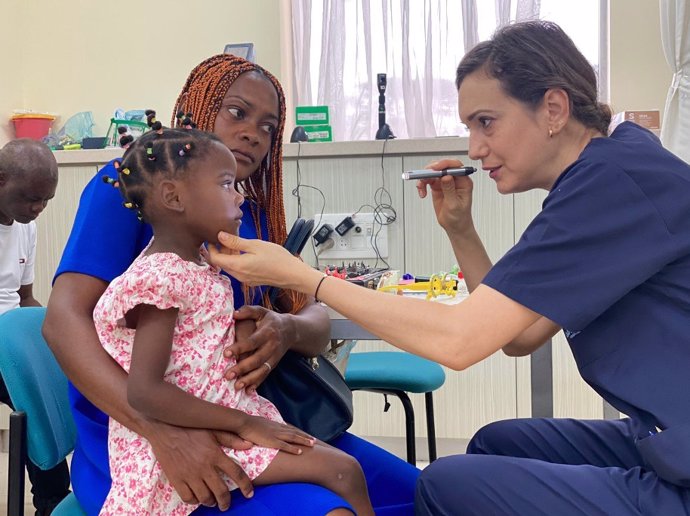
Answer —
(203, 329)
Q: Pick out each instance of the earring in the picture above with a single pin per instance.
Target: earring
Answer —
(550, 133)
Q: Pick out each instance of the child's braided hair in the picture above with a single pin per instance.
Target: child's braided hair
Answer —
(200, 100)
(160, 151)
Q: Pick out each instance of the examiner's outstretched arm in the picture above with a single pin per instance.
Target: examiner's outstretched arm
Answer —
(461, 334)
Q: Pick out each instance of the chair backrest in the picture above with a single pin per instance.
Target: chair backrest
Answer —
(36, 385)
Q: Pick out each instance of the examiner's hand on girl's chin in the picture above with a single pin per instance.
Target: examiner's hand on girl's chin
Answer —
(253, 262)
(225, 243)
(256, 262)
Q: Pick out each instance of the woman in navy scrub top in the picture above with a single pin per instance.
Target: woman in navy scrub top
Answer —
(607, 260)
(244, 106)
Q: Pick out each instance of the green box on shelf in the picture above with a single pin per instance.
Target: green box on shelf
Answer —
(319, 133)
(312, 115)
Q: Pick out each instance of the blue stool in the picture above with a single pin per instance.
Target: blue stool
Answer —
(41, 426)
(396, 373)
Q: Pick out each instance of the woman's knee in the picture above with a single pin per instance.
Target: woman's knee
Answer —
(494, 438)
(452, 482)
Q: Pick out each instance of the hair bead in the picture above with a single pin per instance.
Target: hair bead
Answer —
(185, 150)
(110, 181)
(187, 121)
(126, 141)
(149, 152)
(154, 124)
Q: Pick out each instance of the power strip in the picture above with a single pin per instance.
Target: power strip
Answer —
(358, 242)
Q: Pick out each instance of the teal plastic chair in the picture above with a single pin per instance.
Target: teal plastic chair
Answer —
(397, 373)
(41, 426)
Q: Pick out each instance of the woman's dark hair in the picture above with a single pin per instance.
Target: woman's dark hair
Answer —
(168, 152)
(529, 58)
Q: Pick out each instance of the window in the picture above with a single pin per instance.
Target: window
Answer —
(339, 47)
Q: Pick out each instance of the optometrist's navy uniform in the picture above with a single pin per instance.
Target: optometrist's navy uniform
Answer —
(104, 241)
(608, 259)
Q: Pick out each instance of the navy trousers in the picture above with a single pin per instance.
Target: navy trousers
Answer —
(548, 467)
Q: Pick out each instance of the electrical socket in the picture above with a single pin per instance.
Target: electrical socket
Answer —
(358, 242)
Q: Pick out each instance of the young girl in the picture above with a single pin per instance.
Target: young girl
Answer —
(166, 321)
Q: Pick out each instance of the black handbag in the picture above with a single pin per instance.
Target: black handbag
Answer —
(311, 394)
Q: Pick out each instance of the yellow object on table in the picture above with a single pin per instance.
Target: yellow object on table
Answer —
(438, 285)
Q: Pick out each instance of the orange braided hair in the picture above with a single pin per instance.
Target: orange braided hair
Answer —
(202, 96)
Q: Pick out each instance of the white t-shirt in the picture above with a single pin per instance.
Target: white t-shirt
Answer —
(17, 253)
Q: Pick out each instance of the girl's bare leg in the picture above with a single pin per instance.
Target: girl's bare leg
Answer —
(325, 466)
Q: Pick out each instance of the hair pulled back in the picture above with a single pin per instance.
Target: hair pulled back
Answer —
(529, 58)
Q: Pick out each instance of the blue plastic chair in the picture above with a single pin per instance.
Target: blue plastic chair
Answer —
(41, 426)
(397, 373)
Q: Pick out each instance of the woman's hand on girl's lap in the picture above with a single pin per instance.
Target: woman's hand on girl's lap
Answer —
(270, 434)
(266, 344)
(193, 461)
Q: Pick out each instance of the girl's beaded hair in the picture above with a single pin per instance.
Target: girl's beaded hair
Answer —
(161, 151)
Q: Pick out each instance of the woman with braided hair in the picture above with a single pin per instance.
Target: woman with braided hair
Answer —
(243, 105)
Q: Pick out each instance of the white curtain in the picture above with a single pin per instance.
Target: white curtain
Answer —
(675, 36)
(339, 47)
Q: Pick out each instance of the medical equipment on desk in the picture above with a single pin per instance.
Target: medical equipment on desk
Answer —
(442, 284)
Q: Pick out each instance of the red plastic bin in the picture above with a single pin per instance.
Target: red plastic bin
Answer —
(32, 126)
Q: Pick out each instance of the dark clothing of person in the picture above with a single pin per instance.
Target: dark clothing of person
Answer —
(608, 260)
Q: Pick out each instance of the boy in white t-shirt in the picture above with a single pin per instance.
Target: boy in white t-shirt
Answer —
(28, 179)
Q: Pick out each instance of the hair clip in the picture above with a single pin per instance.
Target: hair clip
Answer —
(185, 150)
(110, 181)
(149, 152)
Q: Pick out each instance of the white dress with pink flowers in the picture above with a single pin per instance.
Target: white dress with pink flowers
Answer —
(203, 329)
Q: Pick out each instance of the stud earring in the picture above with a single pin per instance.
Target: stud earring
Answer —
(550, 133)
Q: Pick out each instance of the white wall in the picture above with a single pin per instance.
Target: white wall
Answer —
(97, 56)
(640, 76)
(10, 64)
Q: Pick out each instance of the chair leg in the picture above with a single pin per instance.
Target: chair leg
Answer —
(430, 426)
(409, 421)
(409, 425)
(17, 464)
